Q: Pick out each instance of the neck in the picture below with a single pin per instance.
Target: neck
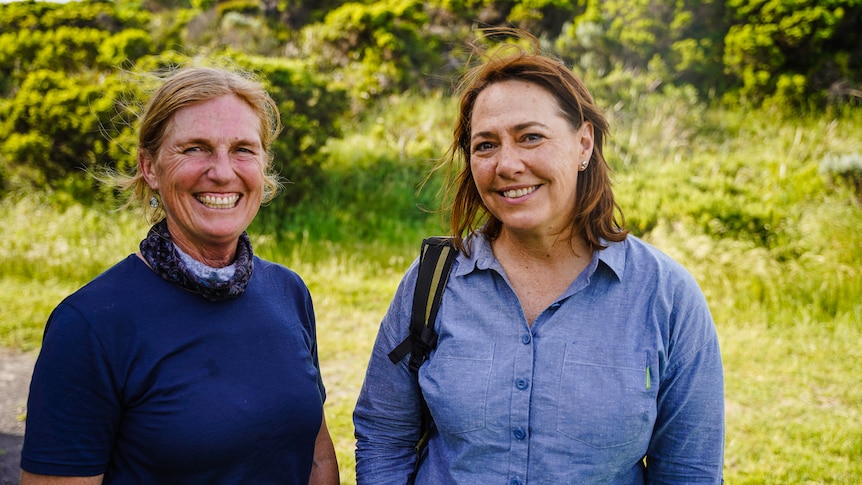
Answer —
(543, 249)
(212, 257)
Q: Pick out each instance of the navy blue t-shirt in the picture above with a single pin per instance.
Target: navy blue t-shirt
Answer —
(149, 383)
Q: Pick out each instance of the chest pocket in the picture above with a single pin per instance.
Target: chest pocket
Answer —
(455, 385)
(607, 395)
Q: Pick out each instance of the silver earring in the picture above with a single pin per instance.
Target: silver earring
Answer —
(584, 164)
(154, 202)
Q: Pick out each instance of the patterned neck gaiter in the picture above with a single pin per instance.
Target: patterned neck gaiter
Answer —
(159, 251)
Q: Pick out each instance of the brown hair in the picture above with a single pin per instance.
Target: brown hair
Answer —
(595, 207)
(187, 86)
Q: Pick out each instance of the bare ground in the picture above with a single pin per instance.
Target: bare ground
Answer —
(15, 371)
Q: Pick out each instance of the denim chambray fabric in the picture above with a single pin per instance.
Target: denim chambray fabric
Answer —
(623, 369)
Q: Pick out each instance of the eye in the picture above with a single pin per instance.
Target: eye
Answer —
(482, 146)
(248, 151)
(533, 137)
(192, 149)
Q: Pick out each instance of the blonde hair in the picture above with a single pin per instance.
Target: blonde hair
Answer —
(186, 86)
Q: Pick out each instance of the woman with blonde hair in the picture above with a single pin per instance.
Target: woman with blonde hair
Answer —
(192, 361)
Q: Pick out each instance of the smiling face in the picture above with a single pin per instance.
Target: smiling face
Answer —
(525, 157)
(209, 175)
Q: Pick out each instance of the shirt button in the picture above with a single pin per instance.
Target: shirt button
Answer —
(519, 434)
(515, 481)
(521, 384)
(555, 307)
(526, 339)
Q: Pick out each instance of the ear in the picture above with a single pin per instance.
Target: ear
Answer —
(145, 165)
(587, 133)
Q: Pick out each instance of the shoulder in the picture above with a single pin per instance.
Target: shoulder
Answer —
(674, 297)
(274, 270)
(277, 276)
(108, 307)
(119, 282)
(638, 262)
(666, 286)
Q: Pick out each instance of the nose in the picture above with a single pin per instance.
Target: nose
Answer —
(221, 169)
(509, 160)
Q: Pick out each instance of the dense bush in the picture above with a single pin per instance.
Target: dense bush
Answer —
(311, 111)
(374, 49)
(71, 94)
(788, 51)
(94, 14)
(63, 62)
(56, 123)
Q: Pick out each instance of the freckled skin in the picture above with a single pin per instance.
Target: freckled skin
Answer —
(211, 149)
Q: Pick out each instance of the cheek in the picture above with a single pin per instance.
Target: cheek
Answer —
(250, 171)
(482, 172)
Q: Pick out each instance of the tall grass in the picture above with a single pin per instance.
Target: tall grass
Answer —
(734, 195)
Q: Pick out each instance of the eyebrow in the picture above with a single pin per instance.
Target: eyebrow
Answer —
(518, 127)
(205, 141)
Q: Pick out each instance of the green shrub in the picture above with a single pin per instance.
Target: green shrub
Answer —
(776, 47)
(244, 7)
(46, 15)
(124, 48)
(311, 111)
(61, 124)
(375, 49)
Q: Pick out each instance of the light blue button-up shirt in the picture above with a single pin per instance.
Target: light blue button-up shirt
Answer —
(619, 381)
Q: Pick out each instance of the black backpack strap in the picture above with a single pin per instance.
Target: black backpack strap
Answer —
(435, 262)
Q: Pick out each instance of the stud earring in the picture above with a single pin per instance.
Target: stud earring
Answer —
(154, 202)
(584, 164)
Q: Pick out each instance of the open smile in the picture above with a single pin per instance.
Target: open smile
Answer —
(516, 193)
(219, 201)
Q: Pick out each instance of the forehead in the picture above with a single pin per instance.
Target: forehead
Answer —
(226, 115)
(513, 99)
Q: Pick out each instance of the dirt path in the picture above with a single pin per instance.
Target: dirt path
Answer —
(15, 371)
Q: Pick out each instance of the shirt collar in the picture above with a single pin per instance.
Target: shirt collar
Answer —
(482, 258)
(614, 257)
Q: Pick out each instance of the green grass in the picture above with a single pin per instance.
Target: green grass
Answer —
(735, 196)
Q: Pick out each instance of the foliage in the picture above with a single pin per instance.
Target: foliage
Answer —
(372, 178)
(44, 16)
(311, 111)
(771, 53)
(56, 121)
(685, 38)
(375, 48)
(775, 47)
(69, 105)
(239, 25)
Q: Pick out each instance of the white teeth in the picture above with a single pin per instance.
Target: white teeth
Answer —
(219, 202)
(514, 194)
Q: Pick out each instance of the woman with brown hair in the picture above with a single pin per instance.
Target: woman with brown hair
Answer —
(568, 351)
